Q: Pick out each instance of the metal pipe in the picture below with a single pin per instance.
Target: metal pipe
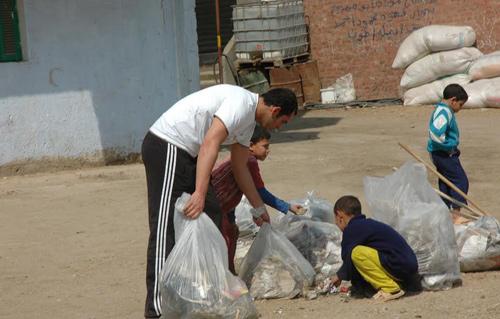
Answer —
(219, 42)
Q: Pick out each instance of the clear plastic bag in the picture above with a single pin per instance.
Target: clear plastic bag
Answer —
(479, 244)
(318, 242)
(274, 268)
(195, 281)
(316, 208)
(244, 218)
(406, 201)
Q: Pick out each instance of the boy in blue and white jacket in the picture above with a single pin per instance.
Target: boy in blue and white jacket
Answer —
(443, 145)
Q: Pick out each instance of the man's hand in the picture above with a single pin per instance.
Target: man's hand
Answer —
(258, 221)
(195, 205)
(264, 218)
(297, 209)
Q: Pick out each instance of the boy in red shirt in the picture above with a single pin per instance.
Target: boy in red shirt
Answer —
(229, 195)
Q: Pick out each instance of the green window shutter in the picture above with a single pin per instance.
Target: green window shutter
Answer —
(10, 43)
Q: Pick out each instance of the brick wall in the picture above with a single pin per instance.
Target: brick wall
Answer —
(362, 36)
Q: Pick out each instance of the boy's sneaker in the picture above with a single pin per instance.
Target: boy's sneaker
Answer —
(382, 296)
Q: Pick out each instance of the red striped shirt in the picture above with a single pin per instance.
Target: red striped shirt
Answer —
(226, 189)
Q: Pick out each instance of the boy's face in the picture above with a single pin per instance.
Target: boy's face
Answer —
(260, 149)
(456, 105)
(341, 219)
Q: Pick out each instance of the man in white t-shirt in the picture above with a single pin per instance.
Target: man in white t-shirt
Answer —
(180, 151)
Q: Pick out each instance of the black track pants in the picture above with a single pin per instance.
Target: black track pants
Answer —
(170, 171)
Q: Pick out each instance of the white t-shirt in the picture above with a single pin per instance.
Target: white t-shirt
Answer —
(186, 123)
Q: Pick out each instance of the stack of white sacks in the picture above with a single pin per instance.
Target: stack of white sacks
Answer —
(438, 55)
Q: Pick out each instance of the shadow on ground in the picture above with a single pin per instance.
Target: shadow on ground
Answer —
(299, 129)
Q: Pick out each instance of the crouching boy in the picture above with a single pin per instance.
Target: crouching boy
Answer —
(376, 258)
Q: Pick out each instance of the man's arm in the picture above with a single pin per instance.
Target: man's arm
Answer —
(239, 159)
(209, 150)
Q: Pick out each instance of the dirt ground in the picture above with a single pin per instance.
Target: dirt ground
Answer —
(73, 243)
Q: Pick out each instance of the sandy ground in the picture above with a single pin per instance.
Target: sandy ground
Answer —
(72, 243)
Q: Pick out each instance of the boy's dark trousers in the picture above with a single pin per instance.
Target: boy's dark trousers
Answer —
(170, 171)
(448, 164)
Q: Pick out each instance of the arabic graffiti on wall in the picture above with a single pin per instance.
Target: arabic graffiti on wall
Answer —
(370, 21)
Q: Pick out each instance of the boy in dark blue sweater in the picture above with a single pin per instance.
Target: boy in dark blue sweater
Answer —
(375, 256)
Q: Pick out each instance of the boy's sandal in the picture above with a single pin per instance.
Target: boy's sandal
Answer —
(382, 296)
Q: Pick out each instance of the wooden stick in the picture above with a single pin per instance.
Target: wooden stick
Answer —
(456, 202)
(444, 179)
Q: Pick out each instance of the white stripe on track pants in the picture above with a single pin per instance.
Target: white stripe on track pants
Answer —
(170, 171)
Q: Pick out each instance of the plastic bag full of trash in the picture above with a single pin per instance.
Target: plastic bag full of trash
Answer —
(316, 208)
(195, 281)
(274, 268)
(244, 218)
(479, 244)
(318, 242)
(406, 201)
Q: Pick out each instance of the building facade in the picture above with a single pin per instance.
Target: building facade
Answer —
(90, 76)
(362, 37)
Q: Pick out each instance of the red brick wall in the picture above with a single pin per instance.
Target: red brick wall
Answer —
(362, 36)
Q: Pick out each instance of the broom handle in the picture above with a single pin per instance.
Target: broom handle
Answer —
(441, 177)
(456, 202)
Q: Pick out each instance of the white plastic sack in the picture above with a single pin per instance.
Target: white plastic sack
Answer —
(195, 281)
(406, 201)
(432, 38)
(274, 268)
(344, 89)
(244, 218)
(479, 245)
(431, 93)
(316, 208)
(318, 242)
(487, 66)
(437, 65)
(483, 93)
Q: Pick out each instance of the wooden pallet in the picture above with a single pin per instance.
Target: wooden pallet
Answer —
(271, 63)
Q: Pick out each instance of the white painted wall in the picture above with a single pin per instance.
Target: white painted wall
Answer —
(96, 75)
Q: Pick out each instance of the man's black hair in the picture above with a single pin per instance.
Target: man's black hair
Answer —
(349, 205)
(259, 134)
(283, 98)
(455, 91)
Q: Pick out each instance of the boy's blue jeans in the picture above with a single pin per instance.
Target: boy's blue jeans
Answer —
(449, 166)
